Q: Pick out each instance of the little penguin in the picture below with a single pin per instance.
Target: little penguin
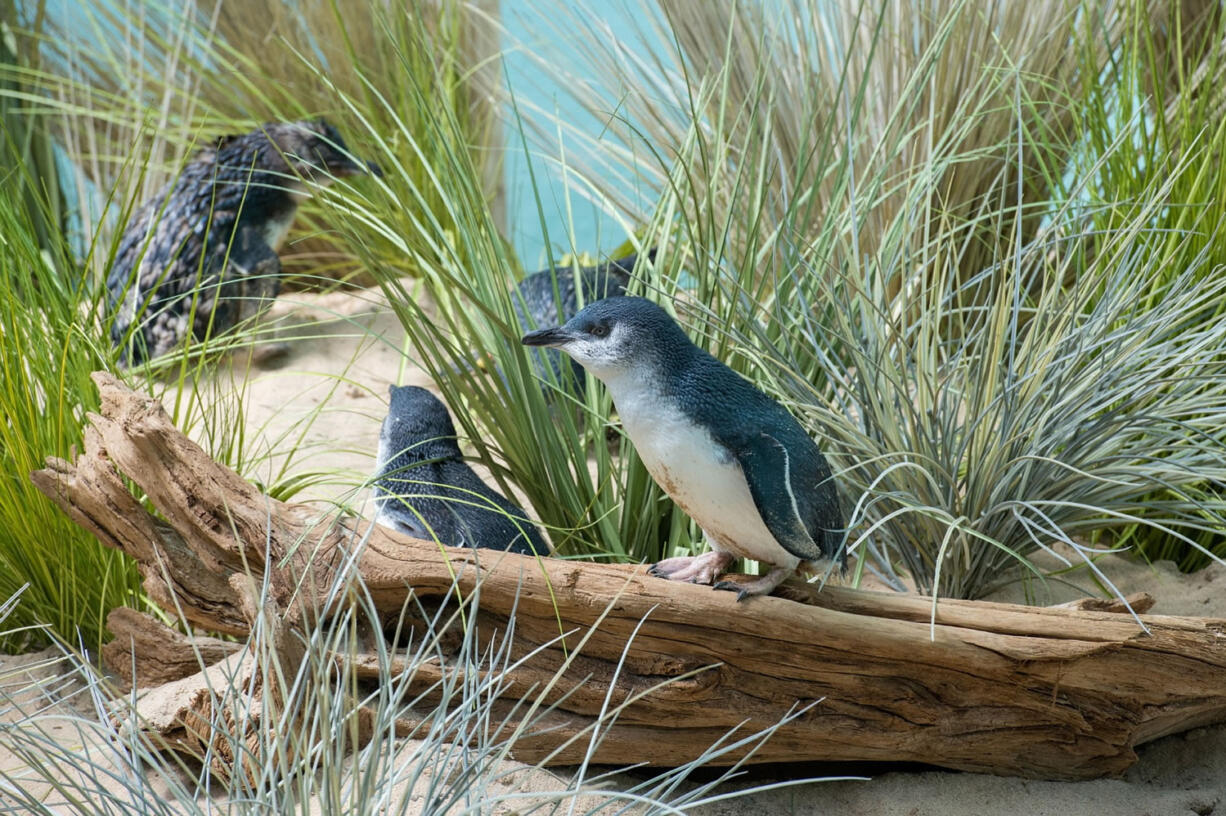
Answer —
(201, 255)
(730, 456)
(536, 306)
(424, 488)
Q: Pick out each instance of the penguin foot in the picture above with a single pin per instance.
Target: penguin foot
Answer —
(694, 569)
(270, 355)
(758, 586)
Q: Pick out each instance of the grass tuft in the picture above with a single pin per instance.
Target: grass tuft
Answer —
(50, 342)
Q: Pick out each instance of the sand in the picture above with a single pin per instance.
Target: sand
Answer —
(347, 352)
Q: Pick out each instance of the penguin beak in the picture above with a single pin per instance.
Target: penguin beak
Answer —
(548, 337)
(374, 169)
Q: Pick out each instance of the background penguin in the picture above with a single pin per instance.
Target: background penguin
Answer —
(536, 306)
(731, 457)
(201, 255)
(424, 488)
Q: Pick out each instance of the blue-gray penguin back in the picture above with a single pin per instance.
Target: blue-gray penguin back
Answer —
(424, 488)
(790, 476)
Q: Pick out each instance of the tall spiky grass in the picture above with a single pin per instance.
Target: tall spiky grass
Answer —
(1142, 135)
(841, 104)
(985, 389)
(50, 341)
(1044, 422)
(54, 328)
(26, 144)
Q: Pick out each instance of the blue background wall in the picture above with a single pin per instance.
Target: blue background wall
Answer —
(593, 231)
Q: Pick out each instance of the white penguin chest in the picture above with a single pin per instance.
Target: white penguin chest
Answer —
(276, 229)
(702, 477)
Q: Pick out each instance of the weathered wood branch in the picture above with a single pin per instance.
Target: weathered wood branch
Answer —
(1059, 693)
(146, 652)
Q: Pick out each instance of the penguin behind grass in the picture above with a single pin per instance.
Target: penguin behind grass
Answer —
(537, 307)
(200, 257)
(424, 488)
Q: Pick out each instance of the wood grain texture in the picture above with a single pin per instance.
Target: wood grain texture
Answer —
(146, 653)
(1056, 693)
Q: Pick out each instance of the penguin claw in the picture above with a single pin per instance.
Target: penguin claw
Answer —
(758, 586)
(732, 586)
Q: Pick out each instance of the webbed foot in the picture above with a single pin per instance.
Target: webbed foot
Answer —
(764, 585)
(695, 569)
(270, 355)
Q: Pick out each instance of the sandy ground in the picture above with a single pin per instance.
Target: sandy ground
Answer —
(338, 373)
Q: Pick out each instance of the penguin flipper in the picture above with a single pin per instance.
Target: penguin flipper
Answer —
(794, 515)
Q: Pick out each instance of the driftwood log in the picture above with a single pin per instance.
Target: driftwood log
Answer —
(146, 652)
(1058, 693)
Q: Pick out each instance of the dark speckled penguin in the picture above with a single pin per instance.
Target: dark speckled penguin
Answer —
(201, 256)
(424, 488)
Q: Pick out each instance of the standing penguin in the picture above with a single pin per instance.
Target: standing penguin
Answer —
(537, 307)
(201, 256)
(424, 488)
(731, 457)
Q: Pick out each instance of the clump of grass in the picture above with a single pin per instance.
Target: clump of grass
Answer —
(768, 115)
(1047, 420)
(50, 341)
(1154, 122)
(25, 141)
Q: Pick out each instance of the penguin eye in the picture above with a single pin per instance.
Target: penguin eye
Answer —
(599, 331)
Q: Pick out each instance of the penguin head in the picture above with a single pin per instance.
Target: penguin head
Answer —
(418, 424)
(614, 336)
(311, 149)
